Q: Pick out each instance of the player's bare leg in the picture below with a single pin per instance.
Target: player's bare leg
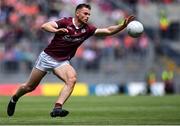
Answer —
(68, 75)
(33, 81)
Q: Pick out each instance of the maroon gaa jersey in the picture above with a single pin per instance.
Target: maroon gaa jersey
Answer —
(64, 46)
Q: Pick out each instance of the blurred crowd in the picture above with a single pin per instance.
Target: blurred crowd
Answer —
(21, 38)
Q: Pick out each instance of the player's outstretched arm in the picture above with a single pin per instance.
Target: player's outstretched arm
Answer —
(53, 27)
(113, 29)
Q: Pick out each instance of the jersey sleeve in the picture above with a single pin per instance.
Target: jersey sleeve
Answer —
(92, 29)
(61, 22)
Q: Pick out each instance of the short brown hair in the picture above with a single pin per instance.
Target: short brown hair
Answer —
(83, 5)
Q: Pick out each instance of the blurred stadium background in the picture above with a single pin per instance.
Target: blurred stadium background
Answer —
(105, 66)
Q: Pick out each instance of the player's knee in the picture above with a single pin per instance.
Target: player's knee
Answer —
(72, 80)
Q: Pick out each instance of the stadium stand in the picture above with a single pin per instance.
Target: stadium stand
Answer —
(116, 59)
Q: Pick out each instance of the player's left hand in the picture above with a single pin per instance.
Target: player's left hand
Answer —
(128, 20)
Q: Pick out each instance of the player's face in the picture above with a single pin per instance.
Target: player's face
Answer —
(83, 15)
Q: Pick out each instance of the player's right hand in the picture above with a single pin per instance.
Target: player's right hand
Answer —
(62, 31)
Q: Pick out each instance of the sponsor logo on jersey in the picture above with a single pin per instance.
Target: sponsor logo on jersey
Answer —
(73, 39)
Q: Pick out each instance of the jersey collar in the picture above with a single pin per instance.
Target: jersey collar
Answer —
(73, 21)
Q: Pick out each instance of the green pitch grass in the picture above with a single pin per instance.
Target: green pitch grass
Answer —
(93, 110)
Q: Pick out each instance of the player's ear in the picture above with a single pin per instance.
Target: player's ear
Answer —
(77, 13)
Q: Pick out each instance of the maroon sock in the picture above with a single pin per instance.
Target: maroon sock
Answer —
(58, 105)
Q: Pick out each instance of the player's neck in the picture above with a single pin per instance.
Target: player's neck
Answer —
(77, 24)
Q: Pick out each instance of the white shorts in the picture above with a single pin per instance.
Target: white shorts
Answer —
(47, 63)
